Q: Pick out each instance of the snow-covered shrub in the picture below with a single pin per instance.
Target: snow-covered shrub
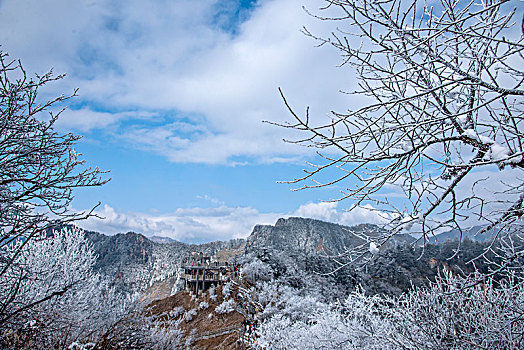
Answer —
(444, 316)
(289, 302)
(305, 323)
(203, 305)
(188, 316)
(212, 293)
(226, 290)
(226, 307)
(144, 331)
(449, 316)
(79, 346)
(268, 292)
(191, 339)
(177, 311)
(256, 270)
(165, 336)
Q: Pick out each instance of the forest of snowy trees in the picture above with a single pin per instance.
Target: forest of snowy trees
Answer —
(443, 83)
(377, 307)
(436, 146)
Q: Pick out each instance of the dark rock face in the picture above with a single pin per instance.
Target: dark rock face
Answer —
(310, 236)
(121, 249)
(127, 259)
(134, 262)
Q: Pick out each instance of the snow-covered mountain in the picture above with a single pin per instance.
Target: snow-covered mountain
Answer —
(135, 262)
(161, 239)
(310, 236)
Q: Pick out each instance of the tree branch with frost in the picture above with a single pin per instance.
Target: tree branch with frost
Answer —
(39, 170)
(444, 86)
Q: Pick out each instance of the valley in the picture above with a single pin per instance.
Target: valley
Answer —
(290, 269)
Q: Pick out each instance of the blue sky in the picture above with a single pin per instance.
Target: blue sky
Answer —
(172, 95)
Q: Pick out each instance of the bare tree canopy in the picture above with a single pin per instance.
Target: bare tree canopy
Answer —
(39, 167)
(437, 143)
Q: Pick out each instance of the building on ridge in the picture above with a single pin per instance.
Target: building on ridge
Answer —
(200, 272)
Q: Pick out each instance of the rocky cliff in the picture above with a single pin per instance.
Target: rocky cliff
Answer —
(310, 236)
(134, 262)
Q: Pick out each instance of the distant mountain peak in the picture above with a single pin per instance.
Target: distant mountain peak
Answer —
(281, 222)
(161, 239)
(312, 236)
(305, 234)
(297, 219)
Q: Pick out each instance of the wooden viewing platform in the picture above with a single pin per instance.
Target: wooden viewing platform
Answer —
(199, 273)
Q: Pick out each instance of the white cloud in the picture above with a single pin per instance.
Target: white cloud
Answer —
(188, 225)
(328, 211)
(85, 119)
(216, 223)
(170, 56)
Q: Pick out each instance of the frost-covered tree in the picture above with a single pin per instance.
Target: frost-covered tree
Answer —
(59, 298)
(39, 167)
(188, 316)
(356, 326)
(449, 316)
(225, 307)
(444, 316)
(165, 263)
(212, 293)
(144, 330)
(434, 137)
(296, 305)
(226, 290)
(256, 270)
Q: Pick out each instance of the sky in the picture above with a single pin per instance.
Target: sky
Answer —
(172, 98)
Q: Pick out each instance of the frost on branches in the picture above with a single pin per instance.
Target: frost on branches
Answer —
(39, 169)
(445, 316)
(59, 299)
(225, 307)
(433, 140)
(256, 270)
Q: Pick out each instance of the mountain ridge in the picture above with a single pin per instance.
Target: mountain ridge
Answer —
(315, 236)
(135, 262)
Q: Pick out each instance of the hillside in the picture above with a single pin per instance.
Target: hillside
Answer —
(311, 236)
(202, 323)
(286, 270)
(135, 263)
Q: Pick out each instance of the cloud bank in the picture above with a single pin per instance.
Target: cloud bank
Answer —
(197, 225)
(190, 80)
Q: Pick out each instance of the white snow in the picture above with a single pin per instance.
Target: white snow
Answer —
(473, 134)
(408, 221)
(373, 249)
(498, 152)
(470, 133)
(226, 307)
